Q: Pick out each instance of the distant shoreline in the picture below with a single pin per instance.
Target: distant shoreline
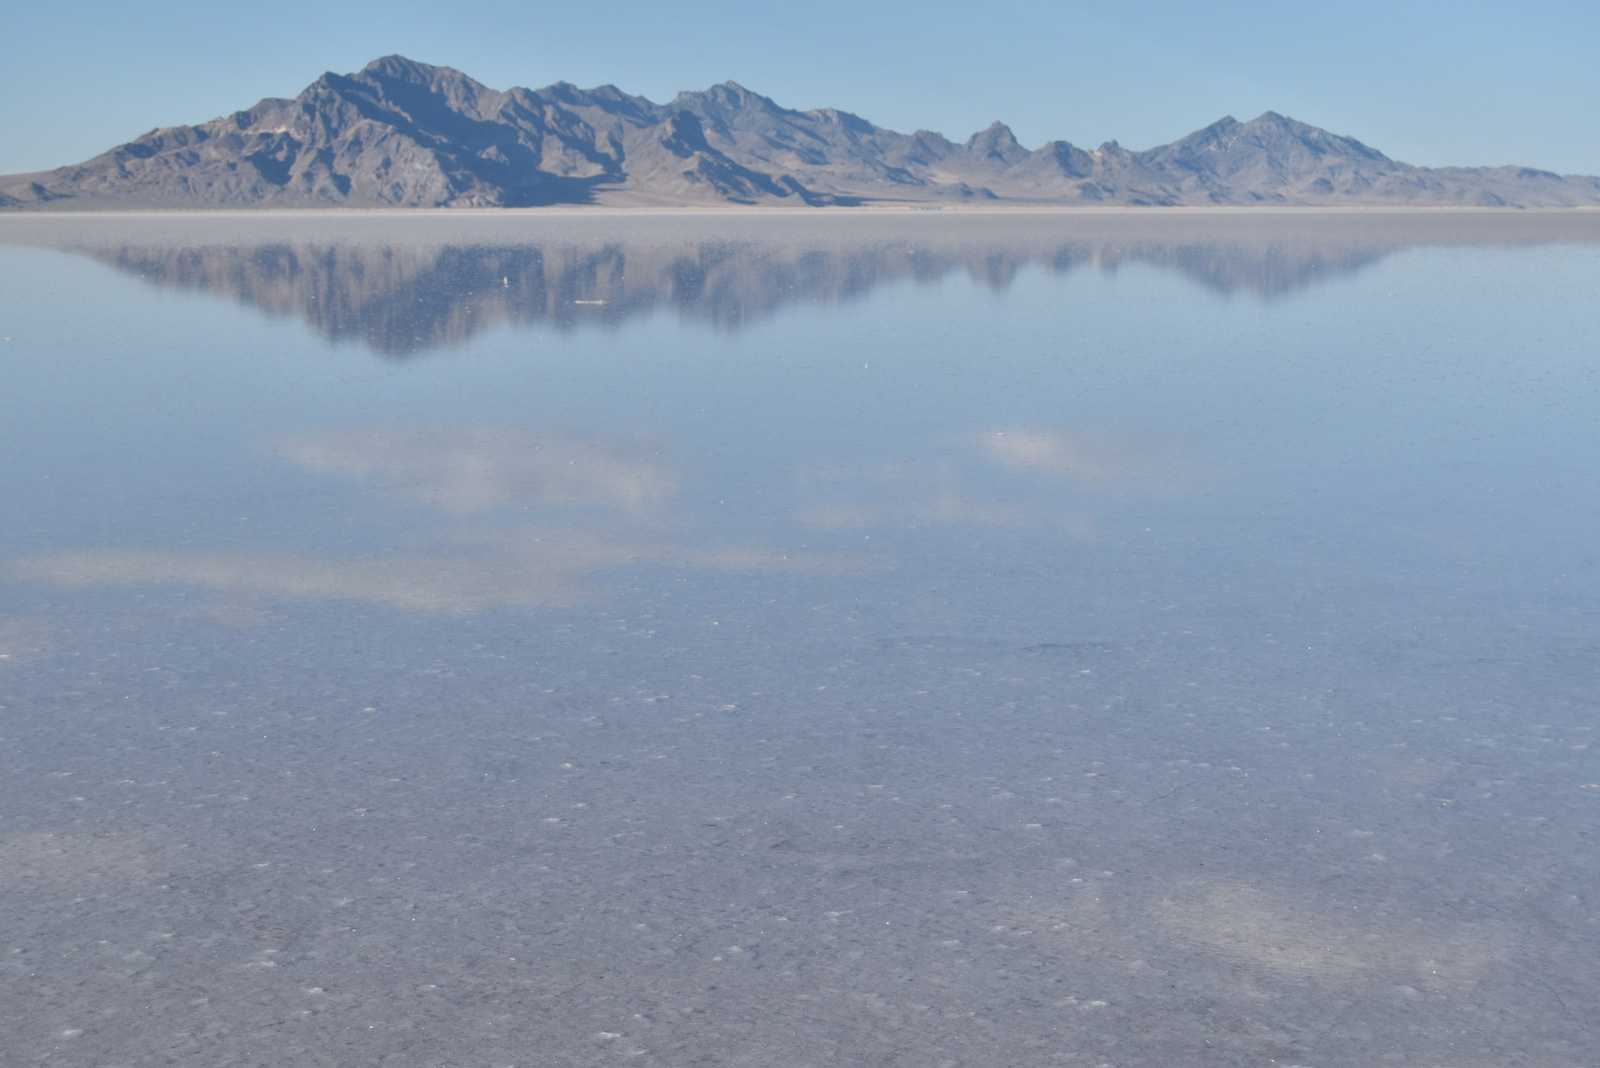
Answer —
(1008, 227)
(784, 209)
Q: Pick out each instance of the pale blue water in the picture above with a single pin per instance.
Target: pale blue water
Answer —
(928, 639)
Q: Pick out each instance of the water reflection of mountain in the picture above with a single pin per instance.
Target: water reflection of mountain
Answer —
(405, 286)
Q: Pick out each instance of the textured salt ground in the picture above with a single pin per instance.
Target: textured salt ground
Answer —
(863, 850)
(849, 733)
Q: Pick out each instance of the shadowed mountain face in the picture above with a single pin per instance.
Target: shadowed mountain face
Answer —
(433, 281)
(406, 134)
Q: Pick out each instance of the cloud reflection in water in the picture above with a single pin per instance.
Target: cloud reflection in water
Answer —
(970, 485)
(459, 472)
(1109, 461)
(464, 471)
(538, 569)
(1302, 942)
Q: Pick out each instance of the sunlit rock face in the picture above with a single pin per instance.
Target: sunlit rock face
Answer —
(404, 134)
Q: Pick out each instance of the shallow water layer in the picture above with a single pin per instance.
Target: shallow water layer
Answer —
(926, 639)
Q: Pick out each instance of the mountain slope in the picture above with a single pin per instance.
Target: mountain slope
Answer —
(405, 134)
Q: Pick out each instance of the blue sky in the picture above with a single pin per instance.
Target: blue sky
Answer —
(1433, 84)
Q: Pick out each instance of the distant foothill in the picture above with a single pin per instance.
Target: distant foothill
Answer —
(403, 134)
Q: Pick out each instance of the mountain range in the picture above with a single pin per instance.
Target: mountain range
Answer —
(442, 278)
(405, 134)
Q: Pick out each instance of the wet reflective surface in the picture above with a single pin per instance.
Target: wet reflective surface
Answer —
(908, 639)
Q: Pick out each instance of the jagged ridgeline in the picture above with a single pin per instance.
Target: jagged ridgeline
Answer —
(405, 134)
(435, 280)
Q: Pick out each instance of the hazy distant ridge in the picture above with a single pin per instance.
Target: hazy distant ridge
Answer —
(405, 134)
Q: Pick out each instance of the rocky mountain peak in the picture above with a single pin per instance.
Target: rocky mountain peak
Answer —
(404, 133)
(996, 143)
(400, 68)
